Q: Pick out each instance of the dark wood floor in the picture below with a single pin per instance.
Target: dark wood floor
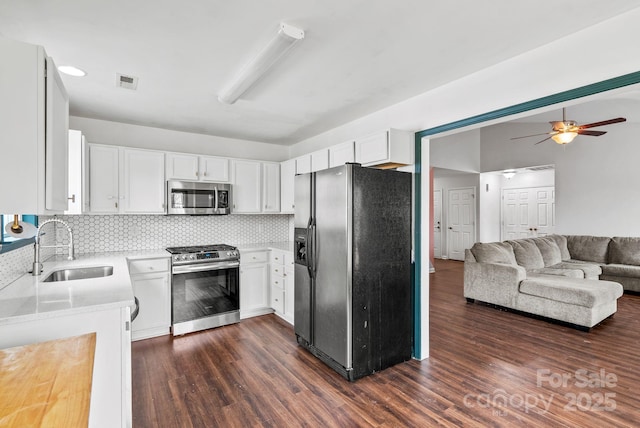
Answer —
(488, 367)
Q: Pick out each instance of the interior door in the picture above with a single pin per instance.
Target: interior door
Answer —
(528, 212)
(437, 223)
(461, 222)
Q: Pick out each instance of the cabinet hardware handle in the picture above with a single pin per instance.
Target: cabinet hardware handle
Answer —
(72, 198)
(205, 174)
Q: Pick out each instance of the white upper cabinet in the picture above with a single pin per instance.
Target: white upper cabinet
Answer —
(214, 169)
(303, 164)
(34, 123)
(246, 186)
(142, 190)
(391, 147)
(320, 160)
(341, 154)
(125, 181)
(287, 175)
(77, 171)
(104, 195)
(182, 166)
(271, 187)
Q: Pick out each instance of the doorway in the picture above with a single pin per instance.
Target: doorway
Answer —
(437, 223)
(461, 221)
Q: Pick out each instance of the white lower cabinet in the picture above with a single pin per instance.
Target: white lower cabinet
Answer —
(151, 281)
(282, 284)
(254, 283)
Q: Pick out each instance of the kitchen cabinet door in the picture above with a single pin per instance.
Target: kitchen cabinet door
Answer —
(320, 160)
(372, 148)
(341, 154)
(271, 187)
(103, 179)
(214, 169)
(153, 291)
(254, 289)
(287, 175)
(182, 167)
(34, 120)
(77, 168)
(303, 164)
(246, 186)
(143, 189)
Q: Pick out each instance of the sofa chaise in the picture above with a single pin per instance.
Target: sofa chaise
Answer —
(573, 279)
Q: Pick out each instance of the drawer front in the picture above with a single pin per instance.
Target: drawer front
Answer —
(148, 266)
(277, 257)
(277, 280)
(277, 299)
(254, 257)
(277, 270)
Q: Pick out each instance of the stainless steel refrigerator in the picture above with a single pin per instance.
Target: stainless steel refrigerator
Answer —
(353, 294)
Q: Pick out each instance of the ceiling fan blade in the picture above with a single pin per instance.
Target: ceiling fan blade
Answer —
(534, 135)
(604, 122)
(548, 138)
(591, 133)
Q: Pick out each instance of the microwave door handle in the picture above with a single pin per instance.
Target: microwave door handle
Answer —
(215, 190)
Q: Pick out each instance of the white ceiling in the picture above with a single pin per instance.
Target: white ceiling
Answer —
(358, 56)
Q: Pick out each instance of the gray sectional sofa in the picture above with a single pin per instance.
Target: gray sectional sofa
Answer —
(574, 279)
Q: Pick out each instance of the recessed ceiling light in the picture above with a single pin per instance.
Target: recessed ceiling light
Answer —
(72, 71)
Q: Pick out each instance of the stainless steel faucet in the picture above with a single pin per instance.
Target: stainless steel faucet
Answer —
(37, 266)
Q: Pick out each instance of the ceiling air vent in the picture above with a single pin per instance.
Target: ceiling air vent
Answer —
(540, 168)
(127, 82)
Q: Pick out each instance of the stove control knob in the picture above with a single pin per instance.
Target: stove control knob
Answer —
(192, 256)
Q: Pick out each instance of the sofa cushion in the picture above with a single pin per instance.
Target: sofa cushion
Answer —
(624, 251)
(621, 270)
(549, 250)
(527, 254)
(493, 252)
(590, 270)
(561, 241)
(569, 273)
(580, 292)
(588, 248)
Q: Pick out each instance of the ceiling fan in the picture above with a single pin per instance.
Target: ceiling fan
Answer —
(563, 132)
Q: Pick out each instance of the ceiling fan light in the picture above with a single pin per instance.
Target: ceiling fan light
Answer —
(509, 173)
(564, 137)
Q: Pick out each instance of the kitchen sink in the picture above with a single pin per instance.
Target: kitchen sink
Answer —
(72, 274)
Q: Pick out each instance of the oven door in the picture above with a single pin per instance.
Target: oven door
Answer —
(204, 295)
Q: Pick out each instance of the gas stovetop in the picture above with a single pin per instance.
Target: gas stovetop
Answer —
(203, 253)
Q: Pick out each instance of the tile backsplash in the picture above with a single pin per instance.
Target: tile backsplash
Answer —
(97, 233)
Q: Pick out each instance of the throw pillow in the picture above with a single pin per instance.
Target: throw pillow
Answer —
(527, 254)
(549, 250)
(624, 251)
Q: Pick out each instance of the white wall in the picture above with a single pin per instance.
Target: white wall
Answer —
(460, 151)
(145, 137)
(597, 191)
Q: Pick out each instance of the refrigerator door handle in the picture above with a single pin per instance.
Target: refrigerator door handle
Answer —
(309, 248)
(313, 248)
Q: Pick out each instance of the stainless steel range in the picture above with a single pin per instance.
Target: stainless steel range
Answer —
(205, 290)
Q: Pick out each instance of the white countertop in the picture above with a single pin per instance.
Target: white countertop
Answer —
(281, 245)
(29, 298)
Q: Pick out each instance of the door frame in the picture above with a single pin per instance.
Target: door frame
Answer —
(422, 187)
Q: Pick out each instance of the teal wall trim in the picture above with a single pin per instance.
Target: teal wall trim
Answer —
(583, 91)
(417, 319)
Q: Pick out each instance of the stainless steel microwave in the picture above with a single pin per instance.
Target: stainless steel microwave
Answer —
(198, 198)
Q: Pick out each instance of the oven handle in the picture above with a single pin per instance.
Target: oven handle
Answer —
(204, 267)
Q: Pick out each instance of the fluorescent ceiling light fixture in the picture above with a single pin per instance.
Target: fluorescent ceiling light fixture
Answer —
(564, 137)
(509, 173)
(252, 71)
(72, 71)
